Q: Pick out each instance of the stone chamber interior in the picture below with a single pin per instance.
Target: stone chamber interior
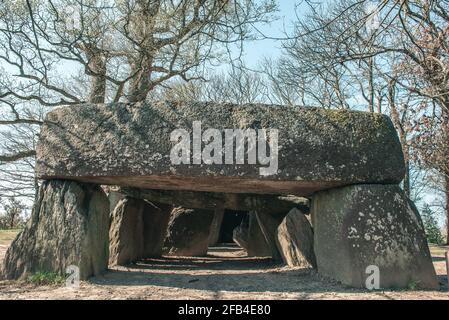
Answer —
(228, 247)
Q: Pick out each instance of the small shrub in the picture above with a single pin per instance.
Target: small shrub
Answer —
(42, 278)
(412, 285)
(431, 227)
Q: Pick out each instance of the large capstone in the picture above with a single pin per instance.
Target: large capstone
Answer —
(130, 145)
(68, 227)
(188, 232)
(364, 228)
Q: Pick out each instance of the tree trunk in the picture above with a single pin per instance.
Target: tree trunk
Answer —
(407, 170)
(371, 84)
(98, 85)
(12, 218)
(141, 83)
(398, 123)
(446, 206)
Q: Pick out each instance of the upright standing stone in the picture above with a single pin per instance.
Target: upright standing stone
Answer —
(216, 225)
(371, 225)
(155, 224)
(257, 244)
(268, 224)
(68, 226)
(294, 239)
(126, 232)
(188, 232)
(240, 234)
(114, 197)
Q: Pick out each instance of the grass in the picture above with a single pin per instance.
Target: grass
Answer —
(6, 236)
(43, 278)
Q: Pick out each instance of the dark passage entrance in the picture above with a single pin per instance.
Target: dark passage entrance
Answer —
(231, 220)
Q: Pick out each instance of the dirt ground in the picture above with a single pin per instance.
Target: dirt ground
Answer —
(224, 274)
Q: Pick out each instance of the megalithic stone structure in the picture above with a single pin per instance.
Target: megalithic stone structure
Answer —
(129, 144)
(349, 163)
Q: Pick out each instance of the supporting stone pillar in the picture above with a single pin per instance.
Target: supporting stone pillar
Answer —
(126, 232)
(240, 234)
(68, 226)
(257, 244)
(188, 232)
(294, 239)
(216, 225)
(114, 197)
(137, 231)
(371, 225)
(268, 224)
(155, 224)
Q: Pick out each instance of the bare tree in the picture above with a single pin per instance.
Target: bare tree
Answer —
(66, 52)
(13, 212)
(237, 85)
(395, 57)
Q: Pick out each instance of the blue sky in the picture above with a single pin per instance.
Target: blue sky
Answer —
(255, 51)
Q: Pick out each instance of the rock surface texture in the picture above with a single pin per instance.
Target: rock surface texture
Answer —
(129, 145)
(294, 239)
(155, 224)
(371, 225)
(269, 224)
(240, 234)
(188, 232)
(68, 226)
(257, 244)
(216, 225)
(126, 232)
(137, 231)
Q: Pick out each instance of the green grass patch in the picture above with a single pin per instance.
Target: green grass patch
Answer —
(43, 278)
(7, 236)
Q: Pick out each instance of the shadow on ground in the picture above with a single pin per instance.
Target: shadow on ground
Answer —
(222, 273)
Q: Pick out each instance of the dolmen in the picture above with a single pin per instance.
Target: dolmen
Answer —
(207, 157)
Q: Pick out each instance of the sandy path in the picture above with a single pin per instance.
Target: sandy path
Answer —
(224, 274)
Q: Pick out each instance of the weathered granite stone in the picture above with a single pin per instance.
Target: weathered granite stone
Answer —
(114, 197)
(294, 239)
(129, 145)
(155, 224)
(68, 226)
(371, 225)
(268, 224)
(188, 232)
(257, 244)
(240, 234)
(216, 225)
(249, 236)
(214, 200)
(138, 230)
(126, 232)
